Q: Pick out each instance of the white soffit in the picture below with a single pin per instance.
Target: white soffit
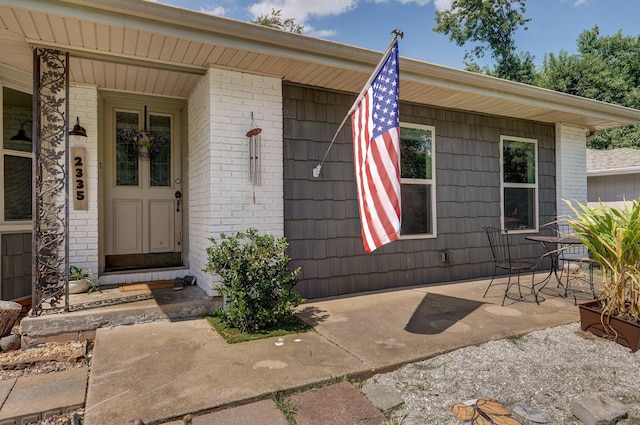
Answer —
(145, 47)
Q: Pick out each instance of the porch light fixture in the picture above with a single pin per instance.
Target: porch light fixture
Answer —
(78, 131)
(254, 139)
(22, 135)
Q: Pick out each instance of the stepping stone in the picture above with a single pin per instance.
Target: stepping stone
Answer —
(598, 409)
(260, 412)
(532, 414)
(382, 396)
(339, 404)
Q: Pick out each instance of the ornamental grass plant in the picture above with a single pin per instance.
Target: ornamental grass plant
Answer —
(612, 236)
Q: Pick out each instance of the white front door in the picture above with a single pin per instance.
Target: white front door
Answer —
(143, 203)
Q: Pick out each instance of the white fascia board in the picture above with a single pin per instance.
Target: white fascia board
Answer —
(613, 172)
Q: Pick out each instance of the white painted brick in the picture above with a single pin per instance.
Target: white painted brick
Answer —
(83, 225)
(571, 174)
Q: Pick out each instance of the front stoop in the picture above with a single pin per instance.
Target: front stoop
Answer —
(33, 398)
(110, 308)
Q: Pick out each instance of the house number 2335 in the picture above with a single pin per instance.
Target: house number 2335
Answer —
(79, 178)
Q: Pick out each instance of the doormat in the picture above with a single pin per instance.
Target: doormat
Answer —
(141, 286)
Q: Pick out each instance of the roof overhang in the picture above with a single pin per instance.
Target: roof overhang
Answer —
(613, 172)
(150, 48)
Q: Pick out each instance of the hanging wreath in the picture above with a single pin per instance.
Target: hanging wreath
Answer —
(147, 144)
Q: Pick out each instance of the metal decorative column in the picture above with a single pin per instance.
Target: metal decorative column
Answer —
(50, 195)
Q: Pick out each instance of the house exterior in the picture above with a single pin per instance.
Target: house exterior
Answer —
(613, 176)
(476, 150)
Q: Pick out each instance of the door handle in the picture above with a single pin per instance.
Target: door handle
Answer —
(178, 195)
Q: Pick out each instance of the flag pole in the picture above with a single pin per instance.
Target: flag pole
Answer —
(396, 33)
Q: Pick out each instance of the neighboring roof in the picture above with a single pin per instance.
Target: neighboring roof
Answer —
(151, 48)
(613, 161)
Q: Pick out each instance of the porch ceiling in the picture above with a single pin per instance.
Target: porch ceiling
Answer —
(144, 47)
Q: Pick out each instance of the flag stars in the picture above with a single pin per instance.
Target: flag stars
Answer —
(385, 97)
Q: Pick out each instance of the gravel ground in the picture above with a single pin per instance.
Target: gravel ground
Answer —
(545, 369)
(47, 358)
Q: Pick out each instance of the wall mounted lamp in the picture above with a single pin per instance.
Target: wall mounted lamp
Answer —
(78, 131)
(22, 135)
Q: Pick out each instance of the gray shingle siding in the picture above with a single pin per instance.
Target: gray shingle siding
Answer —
(321, 214)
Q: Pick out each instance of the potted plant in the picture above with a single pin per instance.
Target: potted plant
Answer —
(612, 236)
(81, 280)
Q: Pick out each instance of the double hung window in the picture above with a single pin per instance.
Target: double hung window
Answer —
(17, 156)
(519, 177)
(417, 156)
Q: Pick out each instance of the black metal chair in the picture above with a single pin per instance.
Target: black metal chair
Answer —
(572, 262)
(503, 259)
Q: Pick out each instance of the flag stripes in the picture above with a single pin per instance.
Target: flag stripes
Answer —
(376, 139)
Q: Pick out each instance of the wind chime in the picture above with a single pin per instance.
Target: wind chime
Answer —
(253, 139)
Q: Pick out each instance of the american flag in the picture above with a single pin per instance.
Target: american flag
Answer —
(376, 144)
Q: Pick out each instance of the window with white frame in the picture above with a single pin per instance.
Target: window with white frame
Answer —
(519, 177)
(17, 155)
(417, 158)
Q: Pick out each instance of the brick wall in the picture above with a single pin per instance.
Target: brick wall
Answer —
(571, 167)
(83, 225)
(221, 197)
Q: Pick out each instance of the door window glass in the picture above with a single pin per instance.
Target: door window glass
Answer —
(160, 157)
(127, 125)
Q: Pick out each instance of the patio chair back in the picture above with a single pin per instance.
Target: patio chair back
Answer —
(573, 260)
(500, 247)
(503, 259)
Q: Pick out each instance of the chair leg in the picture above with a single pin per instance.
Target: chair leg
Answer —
(593, 291)
(533, 287)
(509, 285)
(506, 291)
(519, 290)
(490, 283)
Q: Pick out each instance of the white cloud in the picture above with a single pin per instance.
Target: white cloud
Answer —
(580, 2)
(319, 33)
(418, 2)
(213, 9)
(301, 10)
(442, 5)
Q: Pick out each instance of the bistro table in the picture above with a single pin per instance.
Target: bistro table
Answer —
(554, 245)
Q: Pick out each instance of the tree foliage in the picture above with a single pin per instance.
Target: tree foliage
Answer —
(605, 68)
(275, 20)
(492, 25)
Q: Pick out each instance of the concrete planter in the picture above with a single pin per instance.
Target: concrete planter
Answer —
(622, 331)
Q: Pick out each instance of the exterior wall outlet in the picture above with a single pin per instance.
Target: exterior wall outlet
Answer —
(444, 256)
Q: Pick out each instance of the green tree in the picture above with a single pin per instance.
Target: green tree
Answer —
(275, 20)
(605, 68)
(492, 24)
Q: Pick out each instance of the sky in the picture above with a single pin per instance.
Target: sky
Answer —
(555, 24)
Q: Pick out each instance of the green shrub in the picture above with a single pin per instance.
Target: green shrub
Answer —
(257, 285)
